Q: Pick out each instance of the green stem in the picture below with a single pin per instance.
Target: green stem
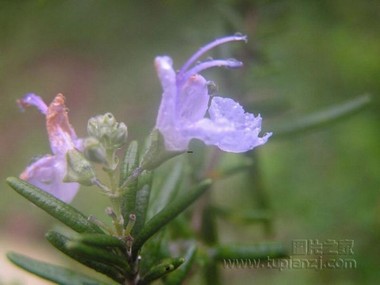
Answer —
(111, 170)
(116, 198)
(119, 220)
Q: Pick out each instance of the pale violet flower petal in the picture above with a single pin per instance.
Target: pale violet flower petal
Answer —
(192, 100)
(166, 74)
(32, 99)
(229, 127)
(62, 136)
(185, 103)
(47, 173)
(167, 112)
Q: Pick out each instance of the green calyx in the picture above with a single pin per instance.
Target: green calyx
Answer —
(79, 169)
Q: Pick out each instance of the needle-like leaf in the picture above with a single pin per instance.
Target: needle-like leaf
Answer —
(322, 118)
(63, 212)
(54, 273)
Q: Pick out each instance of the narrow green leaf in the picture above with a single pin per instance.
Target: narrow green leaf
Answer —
(100, 255)
(245, 216)
(322, 118)
(54, 273)
(130, 162)
(161, 270)
(101, 240)
(63, 212)
(142, 200)
(169, 213)
(178, 276)
(129, 201)
(61, 242)
(257, 251)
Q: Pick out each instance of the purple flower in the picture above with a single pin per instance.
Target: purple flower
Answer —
(49, 171)
(186, 111)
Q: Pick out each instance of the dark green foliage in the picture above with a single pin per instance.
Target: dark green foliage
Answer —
(168, 213)
(61, 242)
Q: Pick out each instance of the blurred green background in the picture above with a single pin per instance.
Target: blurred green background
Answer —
(302, 56)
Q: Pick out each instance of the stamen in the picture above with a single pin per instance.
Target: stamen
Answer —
(31, 99)
(232, 63)
(202, 50)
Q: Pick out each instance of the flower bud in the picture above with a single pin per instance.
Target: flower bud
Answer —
(94, 150)
(111, 134)
(79, 169)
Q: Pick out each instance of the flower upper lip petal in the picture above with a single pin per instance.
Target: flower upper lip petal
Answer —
(48, 171)
(61, 134)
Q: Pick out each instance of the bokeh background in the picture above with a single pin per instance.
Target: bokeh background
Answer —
(302, 56)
